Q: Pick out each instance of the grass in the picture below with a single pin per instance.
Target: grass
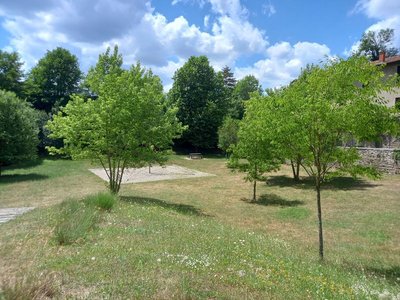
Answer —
(103, 201)
(202, 238)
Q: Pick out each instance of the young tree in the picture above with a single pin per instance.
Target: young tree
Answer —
(372, 43)
(11, 74)
(51, 82)
(228, 134)
(241, 93)
(199, 94)
(128, 125)
(334, 103)
(18, 129)
(255, 152)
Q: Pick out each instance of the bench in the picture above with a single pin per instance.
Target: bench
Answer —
(195, 156)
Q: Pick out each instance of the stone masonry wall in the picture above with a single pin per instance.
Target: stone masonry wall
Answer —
(384, 159)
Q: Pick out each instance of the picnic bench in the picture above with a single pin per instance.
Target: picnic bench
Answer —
(195, 156)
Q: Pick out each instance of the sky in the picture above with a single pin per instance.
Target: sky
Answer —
(270, 39)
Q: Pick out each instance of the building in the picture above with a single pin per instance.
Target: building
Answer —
(391, 68)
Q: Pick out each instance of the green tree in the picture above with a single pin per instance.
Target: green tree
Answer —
(51, 82)
(228, 133)
(11, 74)
(255, 152)
(372, 43)
(241, 93)
(128, 125)
(331, 105)
(229, 79)
(18, 129)
(200, 96)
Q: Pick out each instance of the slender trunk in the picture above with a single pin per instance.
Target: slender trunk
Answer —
(149, 169)
(293, 169)
(298, 169)
(254, 190)
(321, 237)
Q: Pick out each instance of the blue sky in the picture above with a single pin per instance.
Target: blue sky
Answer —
(271, 39)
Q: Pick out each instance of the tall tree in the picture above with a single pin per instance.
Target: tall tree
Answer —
(228, 134)
(51, 82)
(329, 108)
(127, 125)
(199, 93)
(18, 129)
(11, 74)
(229, 79)
(372, 43)
(242, 92)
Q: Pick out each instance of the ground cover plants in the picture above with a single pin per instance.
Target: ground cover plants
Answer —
(169, 239)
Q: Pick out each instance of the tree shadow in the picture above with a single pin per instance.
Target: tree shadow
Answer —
(180, 208)
(13, 178)
(339, 183)
(274, 200)
(391, 274)
(24, 164)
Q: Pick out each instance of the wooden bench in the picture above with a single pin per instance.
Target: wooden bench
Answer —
(195, 156)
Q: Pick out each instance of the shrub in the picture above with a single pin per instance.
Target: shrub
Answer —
(104, 201)
(74, 222)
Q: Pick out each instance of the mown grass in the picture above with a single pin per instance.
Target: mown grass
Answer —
(203, 238)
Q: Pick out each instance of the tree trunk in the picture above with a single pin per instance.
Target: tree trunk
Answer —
(296, 168)
(255, 190)
(321, 237)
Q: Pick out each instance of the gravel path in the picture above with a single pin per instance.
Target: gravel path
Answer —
(157, 173)
(7, 214)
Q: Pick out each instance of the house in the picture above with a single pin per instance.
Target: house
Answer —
(391, 68)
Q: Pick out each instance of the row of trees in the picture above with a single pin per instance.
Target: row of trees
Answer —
(314, 121)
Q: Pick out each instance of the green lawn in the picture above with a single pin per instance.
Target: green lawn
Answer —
(202, 238)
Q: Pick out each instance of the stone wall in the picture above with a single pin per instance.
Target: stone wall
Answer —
(384, 159)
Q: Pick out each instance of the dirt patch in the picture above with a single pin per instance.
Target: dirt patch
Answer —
(155, 173)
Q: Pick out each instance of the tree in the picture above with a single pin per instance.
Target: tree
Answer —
(18, 129)
(229, 79)
(128, 125)
(199, 94)
(11, 74)
(255, 152)
(334, 103)
(372, 43)
(51, 82)
(228, 134)
(242, 92)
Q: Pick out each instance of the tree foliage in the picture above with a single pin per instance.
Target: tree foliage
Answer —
(55, 77)
(11, 74)
(372, 43)
(18, 129)
(127, 125)
(229, 79)
(241, 93)
(228, 134)
(199, 93)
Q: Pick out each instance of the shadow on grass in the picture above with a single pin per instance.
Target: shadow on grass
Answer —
(274, 200)
(340, 183)
(180, 208)
(13, 178)
(391, 274)
(24, 164)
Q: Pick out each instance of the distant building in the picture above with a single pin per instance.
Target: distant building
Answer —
(391, 68)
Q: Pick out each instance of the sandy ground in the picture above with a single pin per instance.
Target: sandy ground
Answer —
(157, 173)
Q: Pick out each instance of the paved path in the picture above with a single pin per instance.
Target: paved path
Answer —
(7, 214)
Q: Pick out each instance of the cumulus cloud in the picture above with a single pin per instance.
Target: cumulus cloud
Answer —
(284, 62)
(88, 27)
(268, 9)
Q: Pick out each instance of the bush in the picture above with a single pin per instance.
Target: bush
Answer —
(74, 222)
(104, 201)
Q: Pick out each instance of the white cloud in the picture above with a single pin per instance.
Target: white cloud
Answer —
(284, 62)
(268, 9)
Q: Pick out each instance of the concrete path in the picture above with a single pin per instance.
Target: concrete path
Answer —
(7, 214)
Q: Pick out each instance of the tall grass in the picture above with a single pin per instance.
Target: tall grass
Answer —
(75, 221)
(104, 201)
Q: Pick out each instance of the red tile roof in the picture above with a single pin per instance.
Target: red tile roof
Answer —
(388, 60)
